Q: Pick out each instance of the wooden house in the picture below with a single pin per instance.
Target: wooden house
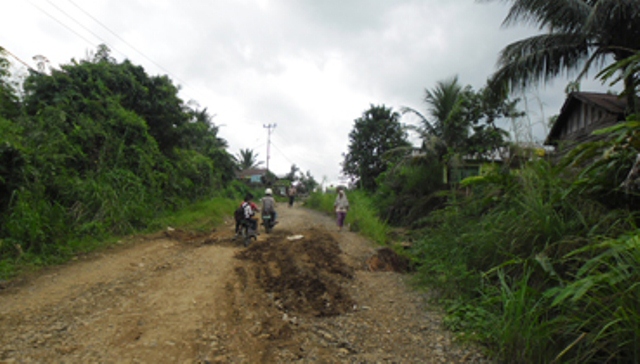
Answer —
(582, 114)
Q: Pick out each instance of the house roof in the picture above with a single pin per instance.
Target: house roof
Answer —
(251, 172)
(613, 104)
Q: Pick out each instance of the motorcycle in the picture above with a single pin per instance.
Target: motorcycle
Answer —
(268, 222)
(246, 233)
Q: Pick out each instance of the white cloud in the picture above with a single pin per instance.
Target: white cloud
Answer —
(309, 66)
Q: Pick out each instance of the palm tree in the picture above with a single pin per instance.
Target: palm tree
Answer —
(581, 34)
(247, 159)
(445, 127)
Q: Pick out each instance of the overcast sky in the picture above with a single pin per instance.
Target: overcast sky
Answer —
(311, 67)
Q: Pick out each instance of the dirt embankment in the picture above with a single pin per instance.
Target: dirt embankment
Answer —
(305, 293)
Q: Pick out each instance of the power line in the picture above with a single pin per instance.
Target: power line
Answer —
(5, 50)
(63, 24)
(285, 156)
(124, 41)
(97, 36)
(77, 22)
(260, 145)
(281, 152)
(300, 168)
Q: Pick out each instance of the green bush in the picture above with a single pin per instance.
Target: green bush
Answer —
(33, 223)
(409, 191)
(513, 253)
(362, 216)
(97, 149)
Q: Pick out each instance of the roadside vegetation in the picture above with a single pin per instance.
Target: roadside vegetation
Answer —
(536, 259)
(363, 217)
(98, 149)
(535, 269)
(540, 263)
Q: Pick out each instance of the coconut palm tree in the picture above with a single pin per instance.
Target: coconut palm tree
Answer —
(247, 159)
(580, 34)
(444, 127)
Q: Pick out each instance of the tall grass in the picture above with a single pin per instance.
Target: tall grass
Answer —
(599, 302)
(201, 216)
(362, 216)
(544, 274)
(37, 218)
(520, 326)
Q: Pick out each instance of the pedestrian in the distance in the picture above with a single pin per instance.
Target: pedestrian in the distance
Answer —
(342, 206)
(292, 195)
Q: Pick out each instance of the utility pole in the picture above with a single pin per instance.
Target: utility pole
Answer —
(269, 128)
(16, 57)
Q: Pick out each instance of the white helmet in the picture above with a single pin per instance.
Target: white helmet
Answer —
(268, 191)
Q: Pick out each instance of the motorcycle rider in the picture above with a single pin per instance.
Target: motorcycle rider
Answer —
(269, 205)
(250, 209)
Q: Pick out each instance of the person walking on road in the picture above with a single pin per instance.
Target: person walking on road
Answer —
(292, 195)
(342, 206)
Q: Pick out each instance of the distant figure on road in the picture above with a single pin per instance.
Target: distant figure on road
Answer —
(342, 206)
(292, 195)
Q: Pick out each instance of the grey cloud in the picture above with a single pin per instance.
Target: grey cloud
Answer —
(234, 57)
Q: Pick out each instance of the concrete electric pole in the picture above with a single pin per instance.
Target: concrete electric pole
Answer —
(269, 128)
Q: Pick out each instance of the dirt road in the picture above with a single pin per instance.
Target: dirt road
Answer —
(181, 298)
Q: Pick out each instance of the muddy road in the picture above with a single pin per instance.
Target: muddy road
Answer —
(305, 293)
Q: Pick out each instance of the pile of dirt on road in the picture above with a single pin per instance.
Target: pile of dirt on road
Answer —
(387, 260)
(303, 271)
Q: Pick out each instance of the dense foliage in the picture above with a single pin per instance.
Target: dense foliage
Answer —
(362, 216)
(459, 126)
(375, 135)
(535, 259)
(537, 270)
(541, 263)
(462, 122)
(98, 147)
(409, 190)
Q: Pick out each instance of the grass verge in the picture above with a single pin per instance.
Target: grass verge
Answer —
(362, 216)
(201, 217)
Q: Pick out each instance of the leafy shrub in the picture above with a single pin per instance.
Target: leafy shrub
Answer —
(34, 222)
(409, 190)
(362, 216)
(99, 148)
(511, 249)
